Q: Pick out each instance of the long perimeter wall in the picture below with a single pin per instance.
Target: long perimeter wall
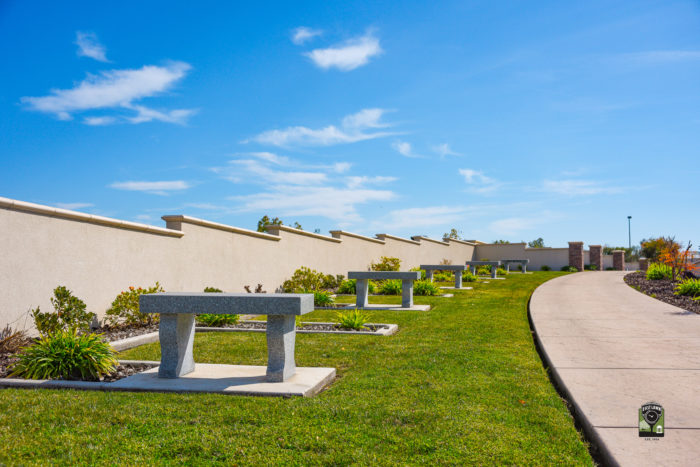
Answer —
(98, 257)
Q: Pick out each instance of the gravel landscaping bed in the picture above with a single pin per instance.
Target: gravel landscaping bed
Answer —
(305, 326)
(662, 290)
(112, 334)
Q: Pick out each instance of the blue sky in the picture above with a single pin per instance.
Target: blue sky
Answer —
(505, 120)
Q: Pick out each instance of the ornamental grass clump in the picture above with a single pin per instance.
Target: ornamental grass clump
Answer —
(467, 276)
(658, 271)
(353, 319)
(66, 355)
(348, 287)
(425, 288)
(390, 287)
(689, 287)
(12, 340)
(125, 308)
(322, 298)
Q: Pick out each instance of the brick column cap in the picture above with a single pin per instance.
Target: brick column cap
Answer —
(575, 243)
(595, 246)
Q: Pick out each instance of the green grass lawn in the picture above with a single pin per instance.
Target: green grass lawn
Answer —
(460, 384)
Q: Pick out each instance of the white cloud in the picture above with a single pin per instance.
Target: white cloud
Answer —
(347, 56)
(116, 89)
(327, 201)
(341, 167)
(156, 188)
(244, 169)
(358, 181)
(353, 128)
(303, 34)
(143, 217)
(99, 121)
(89, 46)
(479, 182)
(73, 206)
(405, 149)
(271, 157)
(578, 187)
(444, 150)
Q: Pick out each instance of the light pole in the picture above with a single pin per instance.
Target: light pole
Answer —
(629, 231)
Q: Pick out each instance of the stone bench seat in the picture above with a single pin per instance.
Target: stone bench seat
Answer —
(494, 266)
(177, 325)
(363, 278)
(523, 262)
(457, 268)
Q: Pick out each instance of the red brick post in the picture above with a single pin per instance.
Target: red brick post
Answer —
(576, 255)
(643, 264)
(619, 260)
(596, 255)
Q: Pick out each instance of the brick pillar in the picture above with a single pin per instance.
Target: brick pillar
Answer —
(596, 254)
(643, 264)
(576, 255)
(619, 260)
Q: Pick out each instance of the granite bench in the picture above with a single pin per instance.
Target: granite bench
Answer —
(523, 262)
(362, 285)
(177, 317)
(494, 266)
(456, 268)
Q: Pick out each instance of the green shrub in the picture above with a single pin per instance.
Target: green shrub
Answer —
(331, 282)
(353, 319)
(569, 269)
(386, 263)
(590, 267)
(322, 298)
(501, 271)
(467, 276)
(425, 288)
(658, 271)
(69, 313)
(544, 267)
(483, 271)
(125, 308)
(216, 321)
(689, 287)
(444, 276)
(212, 290)
(390, 287)
(66, 355)
(309, 279)
(348, 287)
(422, 272)
(610, 268)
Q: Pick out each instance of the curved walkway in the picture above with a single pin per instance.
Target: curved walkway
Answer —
(612, 349)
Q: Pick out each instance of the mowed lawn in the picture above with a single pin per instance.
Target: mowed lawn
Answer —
(460, 384)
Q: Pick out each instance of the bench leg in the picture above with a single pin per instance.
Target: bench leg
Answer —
(458, 279)
(407, 293)
(508, 267)
(362, 291)
(176, 334)
(429, 275)
(281, 333)
(524, 268)
(473, 268)
(494, 270)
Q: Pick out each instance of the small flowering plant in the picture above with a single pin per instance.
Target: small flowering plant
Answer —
(125, 308)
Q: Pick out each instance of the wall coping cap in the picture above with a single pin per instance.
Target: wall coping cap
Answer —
(400, 239)
(447, 239)
(24, 206)
(420, 238)
(499, 244)
(218, 226)
(575, 243)
(595, 246)
(275, 230)
(338, 233)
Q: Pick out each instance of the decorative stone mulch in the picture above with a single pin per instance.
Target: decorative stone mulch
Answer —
(662, 290)
(304, 327)
(6, 361)
(112, 334)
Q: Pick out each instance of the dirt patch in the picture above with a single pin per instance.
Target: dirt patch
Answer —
(662, 290)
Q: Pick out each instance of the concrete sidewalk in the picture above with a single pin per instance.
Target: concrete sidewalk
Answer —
(613, 349)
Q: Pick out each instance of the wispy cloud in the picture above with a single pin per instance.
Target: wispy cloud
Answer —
(444, 149)
(89, 46)
(337, 203)
(244, 169)
(73, 206)
(116, 89)
(353, 128)
(348, 55)
(479, 183)
(156, 188)
(358, 181)
(405, 149)
(578, 187)
(303, 34)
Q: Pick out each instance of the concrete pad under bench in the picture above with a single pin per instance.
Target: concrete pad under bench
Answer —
(386, 307)
(461, 288)
(243, 380)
